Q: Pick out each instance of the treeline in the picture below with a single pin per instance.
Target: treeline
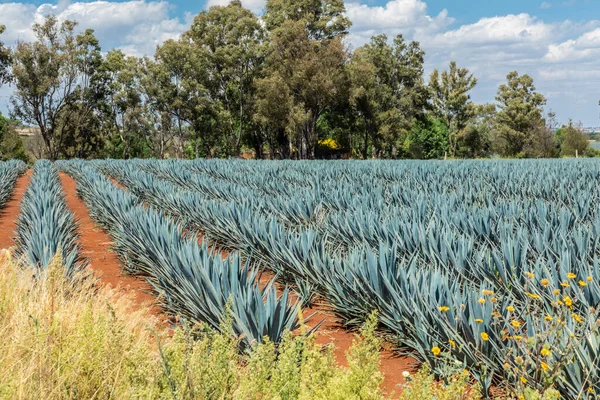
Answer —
(282, 86)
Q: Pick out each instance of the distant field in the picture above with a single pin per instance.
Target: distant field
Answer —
(492, 265)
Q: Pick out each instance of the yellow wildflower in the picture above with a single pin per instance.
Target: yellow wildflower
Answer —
(589, 278)
(506, 366)
(564, 284)
(530, 275)
(546, 352)
(548, 318)
(568, 301)
(515, 324)
(452, 343)
(494, 299)
(544, 366)
(545, 282)
(436, 351)
(481, 300)
(488, 292)
(485, 336)
(523, 379)
(532, 296)
(444, 308)
(556, 292)
(582, 283)
(510, 308)
(577, 318)
(571, 275)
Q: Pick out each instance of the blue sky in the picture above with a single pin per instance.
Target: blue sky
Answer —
(557, 42)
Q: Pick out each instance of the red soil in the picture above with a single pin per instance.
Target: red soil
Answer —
(11, 210)
(96, 245)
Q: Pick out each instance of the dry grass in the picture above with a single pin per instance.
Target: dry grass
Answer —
(61, 340)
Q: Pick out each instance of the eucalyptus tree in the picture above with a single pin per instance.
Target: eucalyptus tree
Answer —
(4, 60)
(451, 100)
(520, 113)
(123, 101)
(387, 92)
(227, 43)
(52, 79)
(306, 58)
(195, 111)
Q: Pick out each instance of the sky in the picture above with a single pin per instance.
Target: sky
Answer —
(557, 42)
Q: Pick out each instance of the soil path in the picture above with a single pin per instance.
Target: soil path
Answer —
(11, 210)
(96, 246)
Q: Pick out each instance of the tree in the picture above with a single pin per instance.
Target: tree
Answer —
(387, 92)
(427, 139)
(451, 100)
(520, 112)
(474, 141)
(323, 19)
(228, 43)
(53, 76)
(574, 141)
(4, 60)
(307, 56)
(11, 145)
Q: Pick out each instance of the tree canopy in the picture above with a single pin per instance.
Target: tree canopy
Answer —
(286, 85)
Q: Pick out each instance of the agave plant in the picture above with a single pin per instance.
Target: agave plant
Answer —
(45, 225)
(9, 172)
(190, 278)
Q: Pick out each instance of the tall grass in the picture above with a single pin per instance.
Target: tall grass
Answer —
(60, 340)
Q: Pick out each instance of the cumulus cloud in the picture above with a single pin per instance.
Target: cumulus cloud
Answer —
(137, 27)
(585, 48)
(407, 17)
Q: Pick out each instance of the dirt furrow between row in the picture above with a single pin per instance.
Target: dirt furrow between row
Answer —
(10, 213)
(96, 245)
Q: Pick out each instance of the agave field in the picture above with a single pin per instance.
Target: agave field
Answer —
(489, 266)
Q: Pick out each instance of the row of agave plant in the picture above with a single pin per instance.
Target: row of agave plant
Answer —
(45, 225)
(9, 172)
(191, 279)
(479, 308)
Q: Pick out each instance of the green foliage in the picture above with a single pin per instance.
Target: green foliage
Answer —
(387, 93)
(55, 86)
(11, 145)
(451, 101)
(5, 60)
(520, 112)
(572, 141)
(427, 139)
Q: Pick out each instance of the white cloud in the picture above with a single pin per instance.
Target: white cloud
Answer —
(585, 47)
(509, 29)
(407, 17)
(137, 27)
